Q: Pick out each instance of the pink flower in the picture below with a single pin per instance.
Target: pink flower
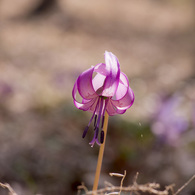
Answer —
(103, 88)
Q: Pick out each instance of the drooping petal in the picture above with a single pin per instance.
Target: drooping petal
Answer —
(99, 78)
(92, 107)
(84, 84)
(123, 79)
(101, 68)
(122, 87)
(98, 82)
(112, 110)
(86, 104)
(112, 78)
(125, 102)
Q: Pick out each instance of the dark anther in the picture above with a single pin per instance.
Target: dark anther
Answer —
(85, 132)
(102, 137)
(102, 122)
(95, 120)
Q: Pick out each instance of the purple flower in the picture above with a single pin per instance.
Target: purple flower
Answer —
(193, 114)
(169, 123)
(103, 88)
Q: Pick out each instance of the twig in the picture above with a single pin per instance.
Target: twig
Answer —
(10, 189)
(82, 187)
(135, 178)
(152, 188)
(122, 181)
(121, 186)
(182, 187)
(137, 188)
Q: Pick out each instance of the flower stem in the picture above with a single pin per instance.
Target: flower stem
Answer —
(100, 156)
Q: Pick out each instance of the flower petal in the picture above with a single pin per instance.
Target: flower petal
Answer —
(112, 78)
(123, 79)
(112, 110)
(101, 68)
(122, 87)
(84, 84)
(125, 102)
(86, 104)
(98, 82)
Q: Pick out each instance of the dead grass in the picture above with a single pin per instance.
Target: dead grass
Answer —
(135, 188)
(9, 188)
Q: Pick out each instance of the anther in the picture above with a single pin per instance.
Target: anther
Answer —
(102, 122)
(102, 137)
(85, 131)
(95, 120)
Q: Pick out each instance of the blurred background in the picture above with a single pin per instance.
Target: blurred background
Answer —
(46, 44)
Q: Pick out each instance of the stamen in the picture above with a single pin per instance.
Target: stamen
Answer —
(102, 121)
(96, 132)
(99, 117)
(85, 131)
(100, 112)
(86, 128)
(95, 138)
(104, 110)
(95, 120)
(102, 137)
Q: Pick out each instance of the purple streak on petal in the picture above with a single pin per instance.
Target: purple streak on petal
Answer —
(84, 84)
(112, 79)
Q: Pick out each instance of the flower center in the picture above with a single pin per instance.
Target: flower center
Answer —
(98, 116)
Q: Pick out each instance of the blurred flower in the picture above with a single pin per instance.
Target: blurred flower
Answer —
(5, 90)
(193, 115)
(168, 123)
(103, 88)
